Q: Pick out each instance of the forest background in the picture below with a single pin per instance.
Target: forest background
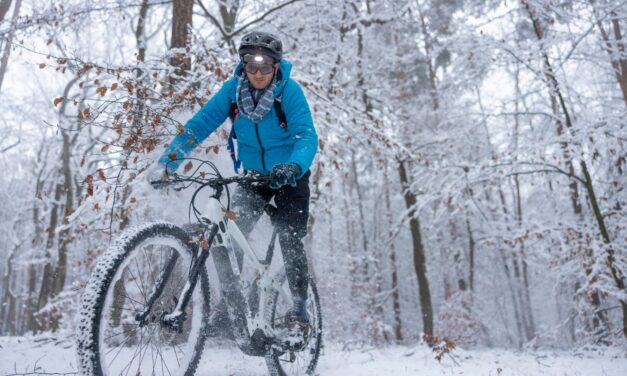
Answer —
(470, 181)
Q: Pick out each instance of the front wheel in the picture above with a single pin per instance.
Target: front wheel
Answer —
(112, 339)
(282, 362)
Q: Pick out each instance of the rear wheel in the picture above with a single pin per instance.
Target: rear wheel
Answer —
(283, 362)
(112, 340)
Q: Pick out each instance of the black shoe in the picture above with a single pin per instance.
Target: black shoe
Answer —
(298, 329)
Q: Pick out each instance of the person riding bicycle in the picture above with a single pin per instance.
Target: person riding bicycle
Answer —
(260, 89)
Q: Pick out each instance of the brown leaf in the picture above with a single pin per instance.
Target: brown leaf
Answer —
(101, 175)
(188, 166)
(129, 86)
(133, 200)
(96, 206)
(42, 66)
(85, 114)
(39, 196)
(230, 214)
(204, 243)
(101, 90)
(89, 179)
(172, 156)
(215, 149)
(57, 101)
(104, 148)
(114, 86)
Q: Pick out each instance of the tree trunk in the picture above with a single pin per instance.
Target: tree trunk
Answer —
(181, 21)
(615, 49)
(60, 272)
(9, 300)
(4, 60)
(365, 265)
(420, 264)
(396, 304)
(5, 5)
(471, 252)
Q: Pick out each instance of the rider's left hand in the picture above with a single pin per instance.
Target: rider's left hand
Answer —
(284, 174)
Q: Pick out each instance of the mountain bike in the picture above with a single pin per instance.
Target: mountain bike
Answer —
(146, 308)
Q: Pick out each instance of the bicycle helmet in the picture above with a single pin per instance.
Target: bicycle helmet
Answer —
(259, 41)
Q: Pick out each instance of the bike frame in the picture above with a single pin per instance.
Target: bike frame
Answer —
(252, 333)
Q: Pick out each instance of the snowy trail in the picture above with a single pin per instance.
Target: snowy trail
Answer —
(24, 355)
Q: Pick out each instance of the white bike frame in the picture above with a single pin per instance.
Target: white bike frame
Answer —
(270, 277)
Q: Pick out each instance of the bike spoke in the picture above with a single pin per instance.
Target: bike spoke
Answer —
(145, 351)
(130, 363)
(118, 353)
(123, 332)
(132, 301)
(163, 363)
(141, 290)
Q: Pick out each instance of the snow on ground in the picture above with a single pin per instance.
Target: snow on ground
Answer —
(48, 355)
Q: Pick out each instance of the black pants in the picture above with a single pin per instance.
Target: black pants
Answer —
(291, 224)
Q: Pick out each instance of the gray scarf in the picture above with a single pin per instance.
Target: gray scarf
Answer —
(254, 108)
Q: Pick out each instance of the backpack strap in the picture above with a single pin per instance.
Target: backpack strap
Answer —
(233, 114)
(278, 108)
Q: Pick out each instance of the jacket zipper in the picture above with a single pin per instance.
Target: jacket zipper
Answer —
(263, 162)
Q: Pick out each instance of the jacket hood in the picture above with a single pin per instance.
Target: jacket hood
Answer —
(285, 68)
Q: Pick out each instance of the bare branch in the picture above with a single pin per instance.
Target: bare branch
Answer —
(263, 16)
(212, 18)
(5, 149)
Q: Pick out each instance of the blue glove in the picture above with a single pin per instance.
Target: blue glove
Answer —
(284, 174)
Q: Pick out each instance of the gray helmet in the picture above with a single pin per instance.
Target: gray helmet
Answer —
(259, 41)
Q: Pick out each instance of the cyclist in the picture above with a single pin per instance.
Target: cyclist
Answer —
(284, 150)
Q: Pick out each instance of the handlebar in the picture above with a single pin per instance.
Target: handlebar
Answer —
(212, 179)
(212, 182)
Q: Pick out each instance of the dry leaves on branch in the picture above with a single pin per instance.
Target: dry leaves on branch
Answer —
(89, 179)
(439, 346)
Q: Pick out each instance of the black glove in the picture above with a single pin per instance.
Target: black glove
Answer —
(158, 173)
(284, 174)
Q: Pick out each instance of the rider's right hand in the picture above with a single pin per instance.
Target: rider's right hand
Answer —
(156, 175)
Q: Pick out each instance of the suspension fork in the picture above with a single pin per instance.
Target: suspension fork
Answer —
(175, 318)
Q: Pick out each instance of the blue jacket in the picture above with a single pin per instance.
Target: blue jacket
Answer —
(260, 146)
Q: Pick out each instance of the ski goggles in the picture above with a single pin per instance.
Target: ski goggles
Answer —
(254, 63)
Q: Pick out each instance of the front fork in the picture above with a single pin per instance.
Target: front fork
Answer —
(174, 320)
